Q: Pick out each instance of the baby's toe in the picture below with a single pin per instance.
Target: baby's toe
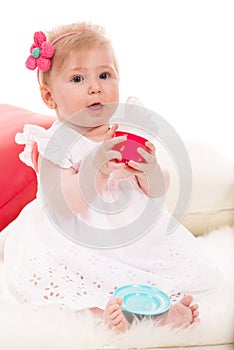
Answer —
(114, 302)
(110, 309)
(194, 307)
(121, 324)
(117, 319)
(116, 314)
(186, 300)
(113, 315)
(195, 313)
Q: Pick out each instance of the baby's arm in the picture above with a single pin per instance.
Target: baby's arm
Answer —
(54, 186)
(153, 180)
(80, 190)
(155, 183)
(68, 190)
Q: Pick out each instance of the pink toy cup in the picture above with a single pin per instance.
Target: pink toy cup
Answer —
(128, 148)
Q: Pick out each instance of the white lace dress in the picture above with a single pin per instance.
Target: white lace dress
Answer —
(43, 264)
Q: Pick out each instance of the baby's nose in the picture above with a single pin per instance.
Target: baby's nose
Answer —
(95, 88)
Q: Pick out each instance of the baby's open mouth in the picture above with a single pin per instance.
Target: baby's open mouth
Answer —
(96, 107)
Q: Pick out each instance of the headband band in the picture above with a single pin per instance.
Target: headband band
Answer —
(42, 51)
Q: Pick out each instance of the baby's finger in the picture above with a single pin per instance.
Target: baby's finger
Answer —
(135, 165)
(149, 157)
(132, 171)
(113, 155)
(151, 147)
(111, 132)
(109, 144)
(113, 165)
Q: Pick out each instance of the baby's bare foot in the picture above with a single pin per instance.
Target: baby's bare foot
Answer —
(181, 314)
(114, 317)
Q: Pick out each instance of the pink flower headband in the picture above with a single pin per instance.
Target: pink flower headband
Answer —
(42, 51)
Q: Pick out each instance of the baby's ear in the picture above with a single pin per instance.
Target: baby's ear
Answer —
(47, 96)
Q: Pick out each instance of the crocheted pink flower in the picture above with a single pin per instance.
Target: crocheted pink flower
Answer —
(41, 53)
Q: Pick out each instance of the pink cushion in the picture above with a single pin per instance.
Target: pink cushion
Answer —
(18, 183)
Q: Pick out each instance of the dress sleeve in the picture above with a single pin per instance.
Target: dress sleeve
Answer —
(49, 144)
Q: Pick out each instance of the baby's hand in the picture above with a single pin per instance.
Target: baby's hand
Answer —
(150, 163)
(104, 158)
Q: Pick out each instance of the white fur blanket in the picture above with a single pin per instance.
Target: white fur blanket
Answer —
(49, 328)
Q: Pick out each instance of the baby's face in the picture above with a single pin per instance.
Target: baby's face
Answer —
(87, 82)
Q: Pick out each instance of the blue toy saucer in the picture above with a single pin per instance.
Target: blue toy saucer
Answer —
(143, 300)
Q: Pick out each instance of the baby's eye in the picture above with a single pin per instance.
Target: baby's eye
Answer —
(77, 79)
(104, 75)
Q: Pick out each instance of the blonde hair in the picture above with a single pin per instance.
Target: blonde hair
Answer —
(83, 36)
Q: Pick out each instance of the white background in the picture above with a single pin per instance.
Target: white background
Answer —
(177, 56)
